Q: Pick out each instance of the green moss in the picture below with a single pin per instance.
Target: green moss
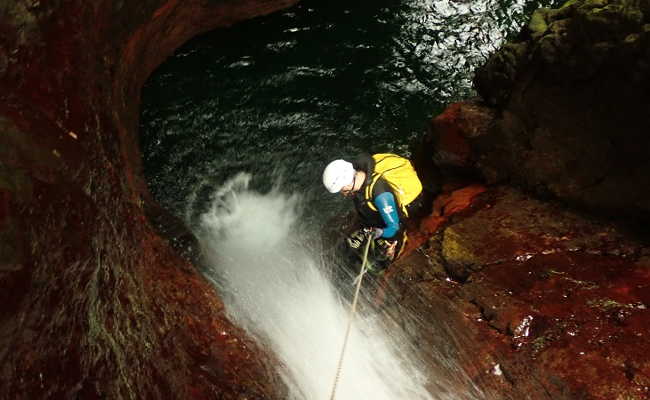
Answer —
(569, 3)
(595, 3)
(604, 304)
(632, 14)
(538, 24)
(540, 344)
(454, 250)
(24, 21)
(554, 272)
(599, 16)
(609, 304)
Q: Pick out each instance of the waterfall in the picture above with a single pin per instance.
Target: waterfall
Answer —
(275, 286)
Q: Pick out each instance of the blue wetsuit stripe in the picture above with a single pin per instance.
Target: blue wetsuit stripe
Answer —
(385, 203)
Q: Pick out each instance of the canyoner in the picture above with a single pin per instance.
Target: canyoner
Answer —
(385, 190)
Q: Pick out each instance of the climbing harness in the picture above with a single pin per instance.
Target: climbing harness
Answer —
(353, 309)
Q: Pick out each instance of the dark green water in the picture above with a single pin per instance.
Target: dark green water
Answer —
(282, 95)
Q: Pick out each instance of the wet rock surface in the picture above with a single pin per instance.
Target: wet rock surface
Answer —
(535, 301)
(95, 304)
(549, 281)
(570, 104)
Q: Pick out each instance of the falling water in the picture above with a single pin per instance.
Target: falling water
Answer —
(294, 90)
(274, 286)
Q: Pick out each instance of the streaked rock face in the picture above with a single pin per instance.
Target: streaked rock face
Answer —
(94, 303)
(535, 301)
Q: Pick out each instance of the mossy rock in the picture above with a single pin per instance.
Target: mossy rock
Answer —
(538, 22)
(569, 4)
(517, 226)
(589, 4)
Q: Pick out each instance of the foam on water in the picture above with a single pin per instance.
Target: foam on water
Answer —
(274, 286)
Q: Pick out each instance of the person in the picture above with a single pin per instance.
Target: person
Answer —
(385, 189)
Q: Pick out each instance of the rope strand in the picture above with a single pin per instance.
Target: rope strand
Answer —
(351, 317)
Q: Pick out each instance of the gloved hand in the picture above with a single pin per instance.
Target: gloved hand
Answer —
(374, 233)
(357, 238)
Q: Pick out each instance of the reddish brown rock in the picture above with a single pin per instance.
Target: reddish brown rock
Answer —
(94, 303)
(445, 206)
(448, 135)
(541, 303)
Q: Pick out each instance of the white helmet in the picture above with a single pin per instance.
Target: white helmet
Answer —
(337, 174)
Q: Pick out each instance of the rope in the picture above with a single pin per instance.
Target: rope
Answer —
(352, 312)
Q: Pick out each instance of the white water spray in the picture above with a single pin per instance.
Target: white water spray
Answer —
(274, 287)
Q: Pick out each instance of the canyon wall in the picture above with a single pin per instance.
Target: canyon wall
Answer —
(546, 269)
(94, 303)
(569, 103)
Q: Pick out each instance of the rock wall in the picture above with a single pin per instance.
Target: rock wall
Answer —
(94, 304)
(540, 273)
(535, 301)
(569, 99)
